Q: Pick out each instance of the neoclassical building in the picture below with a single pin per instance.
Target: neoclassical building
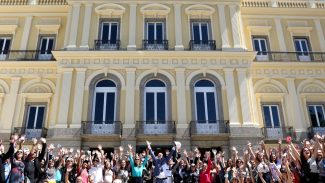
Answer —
(211, 73)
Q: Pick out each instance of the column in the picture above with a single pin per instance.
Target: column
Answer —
(244, 97)
(223, 26)
(279, 30)
(231, 98)
(78, 98)
(74, 26)
(181, 99)
(68, 26)
(234, 14)
(55, 102)
(178, 28)
(320, 34)
(296, 111)
(86, 26)
(129, 98)
(25, 36)
(132, 27)
(10, 105)
(64, 101)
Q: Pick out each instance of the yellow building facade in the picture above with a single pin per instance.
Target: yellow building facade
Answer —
(207, 73)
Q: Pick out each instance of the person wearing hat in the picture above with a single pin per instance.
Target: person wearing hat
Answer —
(137, 166)
(161, 170)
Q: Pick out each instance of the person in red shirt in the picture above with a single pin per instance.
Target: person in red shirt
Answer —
(205, 172)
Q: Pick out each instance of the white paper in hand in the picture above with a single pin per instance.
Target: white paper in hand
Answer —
(178, 144)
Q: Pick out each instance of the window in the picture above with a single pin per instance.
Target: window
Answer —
(104, 110)
(205, 101)
(200, 32)
(260, 45)
(271, 115)
(46, 47)
(302, 49)
(155, 32)
(155, 101)
(4, 47)
(317, 115)
(35, 116)
(109, 33)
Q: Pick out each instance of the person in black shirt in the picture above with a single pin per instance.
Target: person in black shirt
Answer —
(4, 157)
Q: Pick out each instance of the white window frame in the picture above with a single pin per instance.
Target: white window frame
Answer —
(155, 90)
(155, 29)
(4, 56)
(304, 56)
(36, 114)
(206, 90)
(200, 29)
(261, 57)
(110, 28)
(271, 114)
(105, 90)
(46, 56)
(317, 117)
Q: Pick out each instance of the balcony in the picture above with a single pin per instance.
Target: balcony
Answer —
(155, 44)
(155, 128)
(315, 130)
(31, 133)
(202, 45)
(211, 127)
(271, 133)
(290, 56)
(26, 55)
(107, 45)
(101, 128)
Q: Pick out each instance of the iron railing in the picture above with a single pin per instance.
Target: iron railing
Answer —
(202, 45)
(101, 128)
(209, 127)
(155, 44)
(155, 128)
(26, 55)
(30, 133)
(107, 45)
(315, 130)
(291, 56)
(271, 133)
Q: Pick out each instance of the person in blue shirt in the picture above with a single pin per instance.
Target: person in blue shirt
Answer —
(137, 166)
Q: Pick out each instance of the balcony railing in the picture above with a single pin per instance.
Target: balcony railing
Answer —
(202, 45)
(30, 133)
(284, 3)
(315, 130)
(107, 45)
(155, 44)
(291, 56)
(26, 55)
(210, 127)
(33, 2)
(271, 133)
(101, 128)
(155, 128)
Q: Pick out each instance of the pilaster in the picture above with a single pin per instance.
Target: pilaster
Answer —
(178, 28)
(68, 26)
(74, 26)
(181, 100)
(234, 14)
(320, 34)
(78, 98)
(132, 27)
(280, 34)
(26, 32)
(231, 98)
(223, 27)
(86, 26)
(129, 98)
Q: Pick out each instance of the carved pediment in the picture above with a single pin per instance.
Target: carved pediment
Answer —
(199, 10)
(155, 10)
(110, 10)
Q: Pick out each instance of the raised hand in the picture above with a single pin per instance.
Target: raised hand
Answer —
(100, 147)
(121, 148)
(214, 151)
(34, 141)
(43, 140)
(130, 146)
(148, 144)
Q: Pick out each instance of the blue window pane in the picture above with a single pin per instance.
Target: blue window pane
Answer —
(6, 48)
(205, 33)
(312, 114)
(50, 46)
(204, 83)
(276, 117)
(257, 45)
(304, 45)
(43, 46)
(113, 33)
(31, 117)
(155, 83)
(320, 114)
(150, 108)
(196, 33)
(200, 107)
(40, 117)
(297, 45)
(267, 116)
(263, 45)
(159, 33)
(99, 108)
(106, 83)
(2, 42)
(212, 117)
(105, 33)
(151, 33)
(161, 107)
(110, 107)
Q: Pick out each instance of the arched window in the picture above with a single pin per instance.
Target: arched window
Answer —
(155, 101)
(104, 108)
(206, 101)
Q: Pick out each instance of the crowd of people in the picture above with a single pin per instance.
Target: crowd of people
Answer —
(285, 163)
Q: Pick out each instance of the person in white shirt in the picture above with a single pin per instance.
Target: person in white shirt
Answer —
(96, 170)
